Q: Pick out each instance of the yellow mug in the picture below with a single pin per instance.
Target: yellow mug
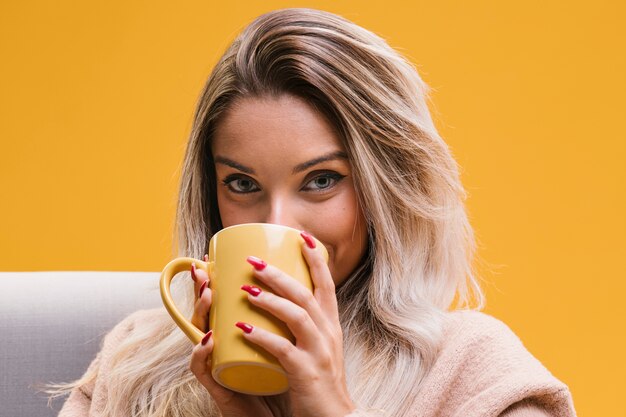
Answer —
(235, 363)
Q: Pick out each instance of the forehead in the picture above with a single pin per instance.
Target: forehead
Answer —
(285, 122)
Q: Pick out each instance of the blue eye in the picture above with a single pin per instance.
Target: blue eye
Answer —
(323, 182)
(240, 185)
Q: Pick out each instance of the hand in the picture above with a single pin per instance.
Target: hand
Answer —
(314, 364)
(229, 402)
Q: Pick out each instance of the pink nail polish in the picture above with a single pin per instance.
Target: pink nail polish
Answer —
(244, 326)
(206, 337)
(251, 289)
(257, 263)
(193, 272)
(206, 258)
(202, 288)
(308, 239)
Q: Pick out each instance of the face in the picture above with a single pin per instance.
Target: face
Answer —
(278, 160)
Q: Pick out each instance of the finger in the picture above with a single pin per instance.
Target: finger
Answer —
(200, 317)
(287, 287)
(323, 284)
(198, 274)
(200, 366)
(289, 356)
(200, 277)
(295, 317)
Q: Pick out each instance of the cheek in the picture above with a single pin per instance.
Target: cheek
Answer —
(335, 221)
(230, 213)
(343, 230)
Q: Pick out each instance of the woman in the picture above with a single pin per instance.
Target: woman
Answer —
(311, 121)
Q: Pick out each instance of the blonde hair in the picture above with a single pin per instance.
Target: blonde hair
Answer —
(421, 246)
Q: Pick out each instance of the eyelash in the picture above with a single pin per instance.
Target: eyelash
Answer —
(333, 176)
(235, 177)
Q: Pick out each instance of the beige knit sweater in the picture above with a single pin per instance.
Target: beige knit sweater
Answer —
(483, 370)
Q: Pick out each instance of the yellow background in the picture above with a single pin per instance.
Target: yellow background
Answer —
(96, 100)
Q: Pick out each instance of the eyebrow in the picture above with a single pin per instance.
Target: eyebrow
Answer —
(298, 168)
(233, 164)
(324, 158)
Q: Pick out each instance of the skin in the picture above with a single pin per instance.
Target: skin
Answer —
(278, 160)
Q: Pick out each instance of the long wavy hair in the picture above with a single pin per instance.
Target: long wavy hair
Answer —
(419, 258)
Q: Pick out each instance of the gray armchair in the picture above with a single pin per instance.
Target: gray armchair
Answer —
(51, 327)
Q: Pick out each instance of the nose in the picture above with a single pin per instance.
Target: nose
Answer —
(280, 210)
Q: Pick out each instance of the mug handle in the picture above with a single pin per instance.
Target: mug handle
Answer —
(172, 268)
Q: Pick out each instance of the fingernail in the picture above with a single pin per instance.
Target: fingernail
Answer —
(251, 289)
(193, 272)
(202, 288)
(206, 337)
(257, 263)
(308, 239)
(244, 326)
(206, 258)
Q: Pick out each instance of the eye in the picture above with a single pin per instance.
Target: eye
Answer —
(240, 184)
(323, 181)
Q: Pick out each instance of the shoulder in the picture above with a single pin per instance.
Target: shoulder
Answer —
(128, 326)
(484, 367)
(124, 338)
(475, 341)
(128, 323)
(482, 348)
(140, 316)
(469, 329)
